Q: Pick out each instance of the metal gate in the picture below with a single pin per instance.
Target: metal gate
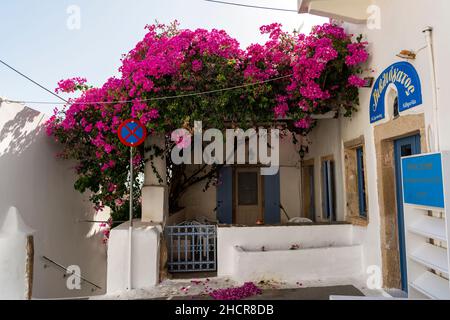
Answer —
(191, 247)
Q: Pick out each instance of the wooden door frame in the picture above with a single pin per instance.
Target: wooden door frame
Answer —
(305, 165)
(384, 136)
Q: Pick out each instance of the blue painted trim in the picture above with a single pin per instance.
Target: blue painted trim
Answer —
(361, 182)
(272, 199)
(224, 196)
(328, 190)
(414, 142)
(407, 82)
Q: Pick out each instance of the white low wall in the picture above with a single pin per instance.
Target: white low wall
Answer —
(144, 252)
(277, 238)
(297, 265)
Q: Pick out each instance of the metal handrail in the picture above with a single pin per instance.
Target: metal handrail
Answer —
(100, 221)
(73, 273)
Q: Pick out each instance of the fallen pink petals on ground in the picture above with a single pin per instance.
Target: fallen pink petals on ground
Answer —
(238, 293)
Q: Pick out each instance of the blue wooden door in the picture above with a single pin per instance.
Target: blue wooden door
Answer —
(272, 199)
(224, 196)
(403, 147)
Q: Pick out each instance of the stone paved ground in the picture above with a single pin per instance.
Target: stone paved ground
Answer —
(200, 287)
(315, 293)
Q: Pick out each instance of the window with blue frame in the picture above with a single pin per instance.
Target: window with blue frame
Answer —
(362, 198)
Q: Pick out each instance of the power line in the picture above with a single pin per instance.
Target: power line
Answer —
(159, 98)
(29, 79)
(251, 6)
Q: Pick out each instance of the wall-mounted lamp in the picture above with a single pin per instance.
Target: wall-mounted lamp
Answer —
(303, 151)
(407, 54)
(368, 82)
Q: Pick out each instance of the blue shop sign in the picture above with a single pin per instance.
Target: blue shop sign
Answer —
(406, 79)
(422, 180)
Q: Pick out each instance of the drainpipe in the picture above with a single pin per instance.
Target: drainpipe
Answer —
(428, 31)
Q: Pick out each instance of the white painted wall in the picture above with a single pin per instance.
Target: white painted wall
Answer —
(277, 238)
(290, 192)
(144, 256)
(12, 267)
(402, 22)
(14, 255)
(325, 141)
(292, 266)
(41, 187)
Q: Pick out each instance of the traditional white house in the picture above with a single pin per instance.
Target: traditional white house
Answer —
(334, 212)
(348, 184)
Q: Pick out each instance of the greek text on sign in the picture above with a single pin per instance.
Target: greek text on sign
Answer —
(422, 180)
(406, 80)
(132, 133)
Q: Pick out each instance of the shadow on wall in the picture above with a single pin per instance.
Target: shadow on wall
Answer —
(14, 136)
(41, 187)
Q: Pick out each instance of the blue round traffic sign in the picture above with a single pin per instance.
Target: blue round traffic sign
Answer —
(132, 133)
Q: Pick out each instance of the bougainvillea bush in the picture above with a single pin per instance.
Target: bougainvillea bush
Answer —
(287, 79)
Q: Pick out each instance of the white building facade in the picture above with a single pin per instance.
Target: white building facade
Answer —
(348, 184)
(334, 212)
(399, 33)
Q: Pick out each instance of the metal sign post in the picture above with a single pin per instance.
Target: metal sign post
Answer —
(132, 134)
(130, 228)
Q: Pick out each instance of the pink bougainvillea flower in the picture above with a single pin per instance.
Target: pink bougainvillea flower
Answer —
(109, 165)
(100, 125)
(137, 160)
(50, 124)
(274, 30)
(197, 65)
(356, 81)
(108, 148)
(304, 123)
(303, 105)
(88, 128)
(330, 29)
(150, 116)
(112, 187)
(356, 53)
(70, 85)
(119, 202)
(182, 138)
(282, 107)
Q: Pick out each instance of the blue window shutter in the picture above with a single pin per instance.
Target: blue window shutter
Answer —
(325, 190)
(328, 195)
(224, 196)
(272, 199)
(361, 182)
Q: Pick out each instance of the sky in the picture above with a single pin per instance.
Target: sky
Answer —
(38, 37)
